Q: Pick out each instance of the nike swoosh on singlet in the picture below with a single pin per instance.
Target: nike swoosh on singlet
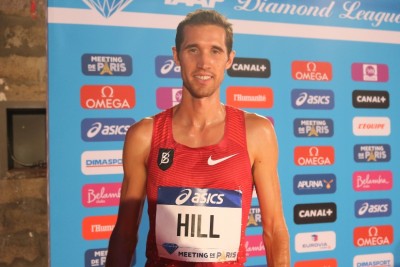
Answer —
(212, 162)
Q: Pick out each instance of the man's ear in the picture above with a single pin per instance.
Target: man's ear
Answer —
(231, 56)
(176, 56)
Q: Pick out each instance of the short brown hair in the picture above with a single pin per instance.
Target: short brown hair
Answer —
(205, 17)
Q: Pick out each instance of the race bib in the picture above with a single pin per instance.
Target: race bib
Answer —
(198, 225)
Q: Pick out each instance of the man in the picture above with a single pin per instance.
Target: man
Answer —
(197, 163)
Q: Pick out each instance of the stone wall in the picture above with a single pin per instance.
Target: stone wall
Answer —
(23, 77)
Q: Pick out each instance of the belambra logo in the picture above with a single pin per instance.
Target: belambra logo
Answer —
(98, 227)
(312, 71)
(317, 263)
(370, 153)
(254, 217)
(106, 65)
(249, 97)
(315, 241)
(96, 257)
(314, 155)
(101, 162)
(107, 97)
(101, 195)
(166, 67)
(374, 260)
(367, 208)
(367, 236)
(254, 246)
(167, 97)
(303, 127)
(371, 126)
(369, 72)
(312, 99)
(314, 213)
(372, 180)
(370, 99)
(105, 129)
(250, 68)
(307, 184)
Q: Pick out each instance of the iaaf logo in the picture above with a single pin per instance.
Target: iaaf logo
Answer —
(105, 129)
(367, 236)
(166, 67)
(311, 71)
(374, 260)
(107, 97)
(315, 241)
(107, 7)
(314, 213)
(167, 97)
(370, 99)
(304, 184)
(313, 127)
(314, 155)
(250, 67)
(369, 72)
(202, 3)
(96, 257)
(312, 99)
(106, 65)
(101, 195)
(317, 263)
(371, 126)
(254, 217)
(249, 97)
(101, 162)
(254, 246)
(373, 208)
(372, 180)
(372, 153)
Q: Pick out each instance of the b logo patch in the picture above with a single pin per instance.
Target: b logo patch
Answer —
(165, 158)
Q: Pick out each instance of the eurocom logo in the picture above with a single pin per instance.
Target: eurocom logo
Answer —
(107, 7)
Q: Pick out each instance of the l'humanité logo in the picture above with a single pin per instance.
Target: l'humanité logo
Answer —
(107, 7)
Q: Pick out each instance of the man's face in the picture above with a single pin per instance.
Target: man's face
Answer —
(203, 59)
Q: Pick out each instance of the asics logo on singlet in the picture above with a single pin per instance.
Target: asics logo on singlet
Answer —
(212, 162)
(200, 197)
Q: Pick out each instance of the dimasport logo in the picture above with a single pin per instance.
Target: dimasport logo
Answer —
(250, 97)
(315, 241)
(314, 155)
(101, 195)
(107, 97)
(370, 153)
(105, 129)
(367, 208)
(250, 68)
(166, 67)
(371, 126)
(377, 235)
(106, 65)
(167, 97)
(374, 260)
(370, 99)
(317, 263)
(372, 180)
(96, 257)
(312, 99)
(312, 71)
(101, 162)
(303, 127)
(307, 184)
(98, 227)
(369, 72)
(254, 246)
(254, 217)
(314, 213)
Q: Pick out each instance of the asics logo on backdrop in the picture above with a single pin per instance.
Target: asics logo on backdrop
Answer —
(199, 197)
(166, 67)
(312, 99)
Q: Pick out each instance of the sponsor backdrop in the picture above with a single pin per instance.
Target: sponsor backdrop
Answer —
(325, 72)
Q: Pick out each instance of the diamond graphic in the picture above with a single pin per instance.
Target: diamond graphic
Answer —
(107, 7)
(170, 247)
